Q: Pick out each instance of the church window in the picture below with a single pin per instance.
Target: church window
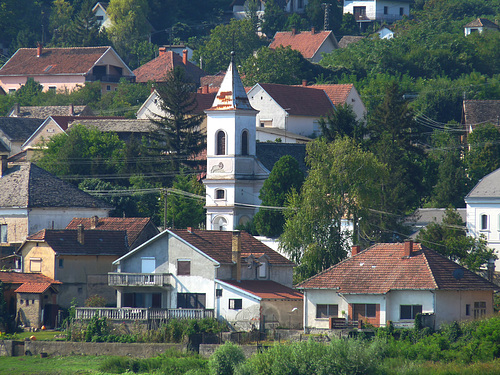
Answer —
(484, 222)
(244, 143)
(221, 143)
(220, 194)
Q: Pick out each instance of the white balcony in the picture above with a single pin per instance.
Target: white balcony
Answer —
(139, 279)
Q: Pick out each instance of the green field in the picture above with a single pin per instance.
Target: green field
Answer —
(50, 365)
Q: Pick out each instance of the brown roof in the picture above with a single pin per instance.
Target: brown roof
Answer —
(382, 268)
(266, 289)
(478, 112)
(337, 93)
(75, 60)
(217, 245)
(11, 277)
(156, 70)
(482, 22)
(213, 82)
(33, 288)
(299, 100)
(132, 225)
(96, 242)
(306, 42)
(348, 39)
(63, 121)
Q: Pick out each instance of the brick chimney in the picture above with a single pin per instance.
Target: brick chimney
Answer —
(190, 229)
(39, 49)
(294, 31)
(236, 254)
(80, 236)
(162, 50)
(313, 30)
(71, 110)
(3, 165)
(17, 110)
(185, 56)
(94, 222)
(205, 89)
(304, 82)
(355, 249)
(408, 248)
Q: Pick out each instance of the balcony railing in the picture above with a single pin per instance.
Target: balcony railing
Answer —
(132, 313)
(114, 78)
(139, 279)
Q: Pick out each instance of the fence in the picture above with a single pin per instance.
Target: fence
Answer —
(132, 313)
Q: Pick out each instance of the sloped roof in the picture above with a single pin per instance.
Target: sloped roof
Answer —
(269, 153)
(266, 289)
(213, 82)
(51, 110)
(482, 22)
(74, 60)
(132, 225)
(156, 70)
(19, 129)
(117, 125)
(96, 242)
(299, 100)
(338, 93)
(348, 39)
(28, 186)
(305, 42)
(477, 112)
(218, 245)
(382, 268)
(11, 277)
(64, 121)
(35, 288)
(487, 187)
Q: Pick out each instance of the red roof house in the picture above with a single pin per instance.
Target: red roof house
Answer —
(394, 282)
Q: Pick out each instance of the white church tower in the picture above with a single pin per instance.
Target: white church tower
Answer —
(234, 175)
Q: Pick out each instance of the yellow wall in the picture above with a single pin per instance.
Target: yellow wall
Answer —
(17, 228)
(39, 250)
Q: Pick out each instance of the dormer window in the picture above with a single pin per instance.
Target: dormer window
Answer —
(263, 269)
(221, 143)
(244, 143)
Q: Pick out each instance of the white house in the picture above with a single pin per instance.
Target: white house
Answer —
(394, 282)
(479, 25)
(367, 12)
(100, 13)
(483, 211)
(230, 273)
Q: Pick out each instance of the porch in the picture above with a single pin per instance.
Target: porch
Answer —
(139, 279)
(141, 314)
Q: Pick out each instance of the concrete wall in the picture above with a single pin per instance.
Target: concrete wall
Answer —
(17, 224)
(490, 208)
(49, 129)
(451, 305)
(59, 218)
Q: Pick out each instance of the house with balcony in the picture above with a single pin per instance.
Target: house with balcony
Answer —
(395, 282)
(61, 69)
(186, 273)
(367, 12)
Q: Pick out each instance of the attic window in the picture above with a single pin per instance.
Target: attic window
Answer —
(46, 70)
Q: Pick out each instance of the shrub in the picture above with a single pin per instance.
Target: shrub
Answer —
(225, 359)
(97, 330)
(95, 301)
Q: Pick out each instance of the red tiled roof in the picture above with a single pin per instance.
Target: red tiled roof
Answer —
(299, 100)
(217, 245)
(132, 225)
(33, 288)
(96, 242)
(75, 60)
(382, 268)
(305, 42)
(337, 93)
(10, 277)
(266, 289)
(156, 70)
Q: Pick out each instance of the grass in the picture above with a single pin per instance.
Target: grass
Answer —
(51, 365)
(393, 366)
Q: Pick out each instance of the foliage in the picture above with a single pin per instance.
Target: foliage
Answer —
(95, 301)
(97, 329)
(341, 122)
(316, 14)
(7, 321)
(26, 94)
(225, 359)
(238, 36)
(125, 101)
(343, 182)
(284, 177)
(274, 18)
(450, 239)
(483, 156)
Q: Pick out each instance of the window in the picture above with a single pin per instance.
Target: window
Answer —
(61, 263)
(262, 269)
(218, 292)
(52, 88)
(220, 194)
(484, 222)
(371, 310)
(220, 223)
(361, 311)
(244, 143)
(183, 267)
(221, 143)
(300, 4)
(13, 91)
(108, 88)
(36, 265)
(3, 233)
(409, 311)
(326, 311)
(386, 10)
(467, 310)
(99, 18)
(479, 309)
(235, 304)
(401, 11)
(191, 300)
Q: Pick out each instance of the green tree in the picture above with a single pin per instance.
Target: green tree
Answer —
(274, 18)
(341, 122)
(226, 359)
(6, 318)
(61, 18)
(344, 182)
(28, 92)
(178, 135)
(86, 30)
(483, 156)
(284, 177)
(316, 14)
(184, 210)
(450, 239)
(238, 36)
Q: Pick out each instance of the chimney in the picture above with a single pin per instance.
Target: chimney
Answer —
(185, 56)
(200, 90)
(313, 30)
(189, 229)
(408, 249)
(206, 89)
(80, 235)
(162, 50)
(3, 165)
(355, 249)
(294, 31)
(304, 82)
(152, 89)
(94, 222)
(71, 110)
(17, 110)
(491, 269)
(39, 49)
(236, 254)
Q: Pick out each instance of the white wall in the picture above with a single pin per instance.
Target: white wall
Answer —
(242, 318)
(58, 218)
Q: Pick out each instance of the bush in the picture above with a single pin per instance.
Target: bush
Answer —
(225, 359)
(95, 301)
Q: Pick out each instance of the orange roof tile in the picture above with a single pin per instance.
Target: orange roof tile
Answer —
(11, 277)
(337, 93)
(305, 42)
(266, 289)
(33, 288)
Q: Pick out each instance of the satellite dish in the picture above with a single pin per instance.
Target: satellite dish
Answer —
(458, 273)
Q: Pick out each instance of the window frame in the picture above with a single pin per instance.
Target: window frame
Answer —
(220, 143)
(4, 233)
(223, 193)
(191, 300)
(484, 221)
(479, 309)
(244, 143)
(235, 304)
(413, 311)
(34, 261)
(183, 267)
(326, 311)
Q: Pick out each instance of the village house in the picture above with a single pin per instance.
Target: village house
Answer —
(240, 7)
(43, 112)
(480, 25)
(61, 69)
(15, 131)
(394, 282)
(368, 12)
(479, 112)
(101, 15)
(227, 275)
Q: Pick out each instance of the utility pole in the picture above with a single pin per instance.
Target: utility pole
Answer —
(165, 209)
(326, 8)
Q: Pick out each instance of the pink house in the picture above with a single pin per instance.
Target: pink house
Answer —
(64, 68)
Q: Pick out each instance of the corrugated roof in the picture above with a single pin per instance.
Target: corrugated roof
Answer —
(383, 267)
(266, 289)
(305, 42)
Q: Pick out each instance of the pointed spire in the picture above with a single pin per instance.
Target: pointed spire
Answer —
(231, 93)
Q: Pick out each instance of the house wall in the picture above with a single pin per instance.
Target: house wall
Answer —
(48, 130)
(451, 305)
(321, 296)
(105, 22)
(280, 274)
(415, 297)
(283, 313)
(39, 250)
(354, 100)
(29, 309)
(326, 47)
(246, 318)
(59, 218)
(60, 82)
(375, 9)
(17, 224)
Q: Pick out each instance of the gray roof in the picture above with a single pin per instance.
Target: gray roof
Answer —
(269, 153)
(478, 112)
(19, 129)
(424, 216)
(487, 187)
(118, 125)
(3, 148)
(284, 134)
(348, 39)
(26, 185)
(482, 22)
(53, 110)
